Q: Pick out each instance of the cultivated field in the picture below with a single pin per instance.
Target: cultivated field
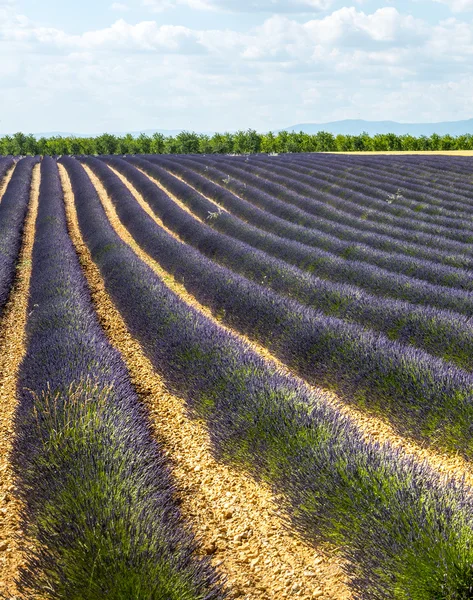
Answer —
(236, 377)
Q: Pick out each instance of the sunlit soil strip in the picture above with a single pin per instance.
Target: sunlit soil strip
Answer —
(236, 518)
(5, 181)
(374, 428)
(142, 202)
(12, 349)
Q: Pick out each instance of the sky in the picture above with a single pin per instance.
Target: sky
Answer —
(216, 65)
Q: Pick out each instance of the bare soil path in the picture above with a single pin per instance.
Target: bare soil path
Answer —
(12, 350)
(5, 181)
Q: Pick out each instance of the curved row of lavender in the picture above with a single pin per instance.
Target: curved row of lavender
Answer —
(397, 191)
(98, 494)
(393, 191)
(272, 219)
(350, 204)
(254, 189)
(352, 200)
(439, 332)
(442, 173)
(422, 396)
(13, 209)
(321, 263)
(404, 531)
(410, 170)
(6, 163)
(293, 223)
(310, 229)
(426, 184)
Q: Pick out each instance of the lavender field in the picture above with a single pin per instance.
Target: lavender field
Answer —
(236, 377)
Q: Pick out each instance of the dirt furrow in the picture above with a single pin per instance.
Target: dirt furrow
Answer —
(236, 518)
(6, 180)
(12, 350)
(374, 428)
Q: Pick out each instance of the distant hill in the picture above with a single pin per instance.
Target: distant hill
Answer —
(346, 127)
(357, 126)
(49, 134)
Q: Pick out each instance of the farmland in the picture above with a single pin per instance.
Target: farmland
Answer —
(236, 377)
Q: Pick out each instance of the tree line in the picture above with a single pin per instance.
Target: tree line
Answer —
(241, 142)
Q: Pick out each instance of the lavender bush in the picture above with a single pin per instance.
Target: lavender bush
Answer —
(439, 332)
(405, 532)
(13, 208)
(98, 493)
(321, 263)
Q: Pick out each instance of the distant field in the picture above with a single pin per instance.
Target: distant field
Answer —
(427, 153)
(236, 377)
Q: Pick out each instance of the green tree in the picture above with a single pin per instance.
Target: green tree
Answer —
(409, 142)
(222, 143)
(434, 142)
(343, 143)
(325, 142)
(157, 143)
(187, 142)
(447, 142)
(106, 143)
(269, 143)
(205, 146)
(127, 145)
(143, 144)
(246, 142)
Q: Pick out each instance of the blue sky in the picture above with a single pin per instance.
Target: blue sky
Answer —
(207, 65)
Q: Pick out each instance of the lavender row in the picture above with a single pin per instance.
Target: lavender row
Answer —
(381, 172)
(6, 163)
(317, 262)
(441, 333)
(402, 530)
(352, 204)
(97, 490)
(13, 210)
(236, 178)
(438, 182)
(308, 229)
(442, 168)
(422, 396)
(409, 171)
(417, 201)
(397, 192)
(273, 221)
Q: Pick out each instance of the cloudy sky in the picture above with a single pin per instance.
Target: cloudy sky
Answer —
(208, 65)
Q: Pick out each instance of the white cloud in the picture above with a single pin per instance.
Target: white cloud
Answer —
(244, 6)
(120, 7)
(458, 5)
(349, 63)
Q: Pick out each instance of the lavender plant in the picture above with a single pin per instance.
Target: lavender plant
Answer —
(409, 191)
(13, 209)
(410, 266)
(441, 333)
(422, 396)
(405, 532)
(319, 262)
(306, 195)
(323, 215)
(400, 212)
(98, 493)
